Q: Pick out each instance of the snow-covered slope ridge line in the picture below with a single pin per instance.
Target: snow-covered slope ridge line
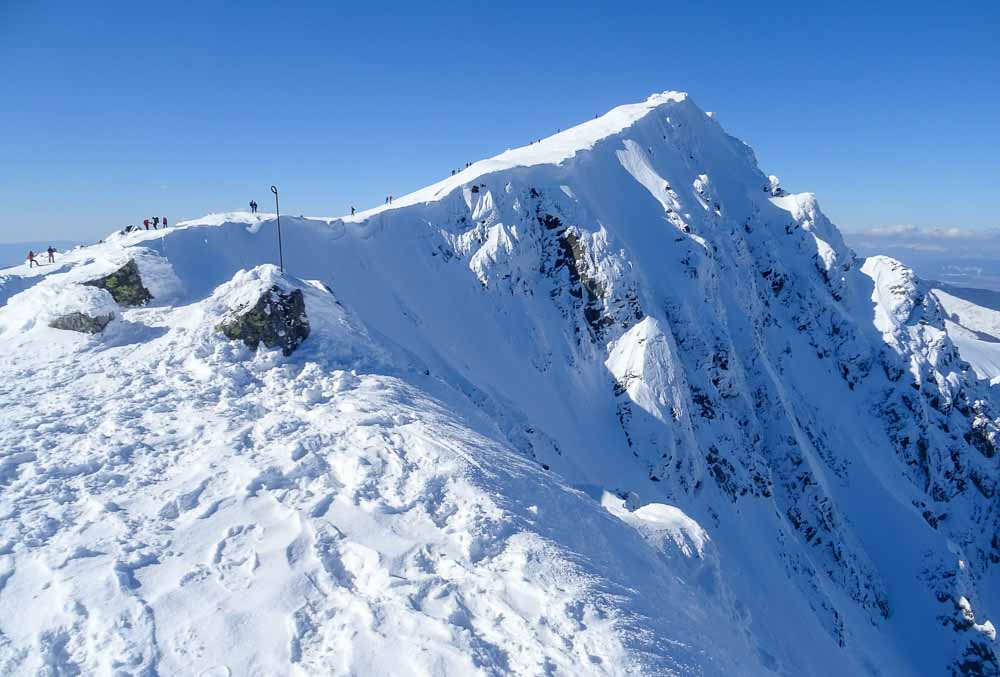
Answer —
(611, 403)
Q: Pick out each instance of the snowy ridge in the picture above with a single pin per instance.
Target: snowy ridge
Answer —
(612, 403)
(550, 150)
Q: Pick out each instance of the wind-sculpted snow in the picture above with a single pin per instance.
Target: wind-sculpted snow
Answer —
(613, 403)
(975, 329)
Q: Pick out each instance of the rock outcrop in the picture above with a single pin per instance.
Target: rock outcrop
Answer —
(125, 285)
(278, 320)
(81, 322)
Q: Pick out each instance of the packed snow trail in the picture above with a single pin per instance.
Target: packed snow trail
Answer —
(612, 403)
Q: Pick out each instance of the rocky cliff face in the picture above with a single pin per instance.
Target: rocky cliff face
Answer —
(744, 368)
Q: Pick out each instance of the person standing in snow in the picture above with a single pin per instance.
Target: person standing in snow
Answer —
(164, 221)
(31, 259)
(352, 211)
(156, 222)
(52, 254)
(253, 207)
(145, 223)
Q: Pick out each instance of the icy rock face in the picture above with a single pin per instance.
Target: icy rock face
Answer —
(125, 285)
(278, 320)
(630, 305)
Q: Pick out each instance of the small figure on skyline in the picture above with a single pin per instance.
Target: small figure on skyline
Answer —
(253, 206)
(52, 254)
(352, 211)
(31, 259)
(156, 222)
(145, 223)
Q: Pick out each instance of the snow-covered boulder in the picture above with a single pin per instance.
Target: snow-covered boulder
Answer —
(73, 306)
(266, 309)
(277, 318)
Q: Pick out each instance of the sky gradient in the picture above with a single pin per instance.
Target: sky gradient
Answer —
(111, 112)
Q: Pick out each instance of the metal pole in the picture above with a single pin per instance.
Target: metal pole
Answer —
(281, 255)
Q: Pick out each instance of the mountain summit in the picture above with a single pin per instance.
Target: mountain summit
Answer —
(615, 402)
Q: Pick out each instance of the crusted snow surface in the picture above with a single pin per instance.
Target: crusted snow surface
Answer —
(612, 403)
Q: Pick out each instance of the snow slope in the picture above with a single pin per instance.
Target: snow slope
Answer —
(974, 327)
(612, 403)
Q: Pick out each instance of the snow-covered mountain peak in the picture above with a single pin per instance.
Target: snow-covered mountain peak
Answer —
(611, 403)
(553, 149)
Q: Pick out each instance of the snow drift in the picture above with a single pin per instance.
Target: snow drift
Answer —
(612, 403)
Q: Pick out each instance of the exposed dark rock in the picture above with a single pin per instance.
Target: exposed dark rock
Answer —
(81, 322)
(278, 320)
(124, 285)
(977, 659)
(980, 437)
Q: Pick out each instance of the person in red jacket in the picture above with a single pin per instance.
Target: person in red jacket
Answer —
(164, 221)
(146, 223)
(31, 259)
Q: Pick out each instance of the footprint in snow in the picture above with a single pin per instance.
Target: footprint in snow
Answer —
(235, 560)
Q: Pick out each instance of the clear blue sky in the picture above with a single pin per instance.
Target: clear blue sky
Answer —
(114, 110)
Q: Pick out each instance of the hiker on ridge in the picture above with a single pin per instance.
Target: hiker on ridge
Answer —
(145, 223)
(31, 259)
(52, 254)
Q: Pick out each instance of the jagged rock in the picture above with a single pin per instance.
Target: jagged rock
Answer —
(81, 322)
(278, 320)
(125, 285)
(979, 658)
